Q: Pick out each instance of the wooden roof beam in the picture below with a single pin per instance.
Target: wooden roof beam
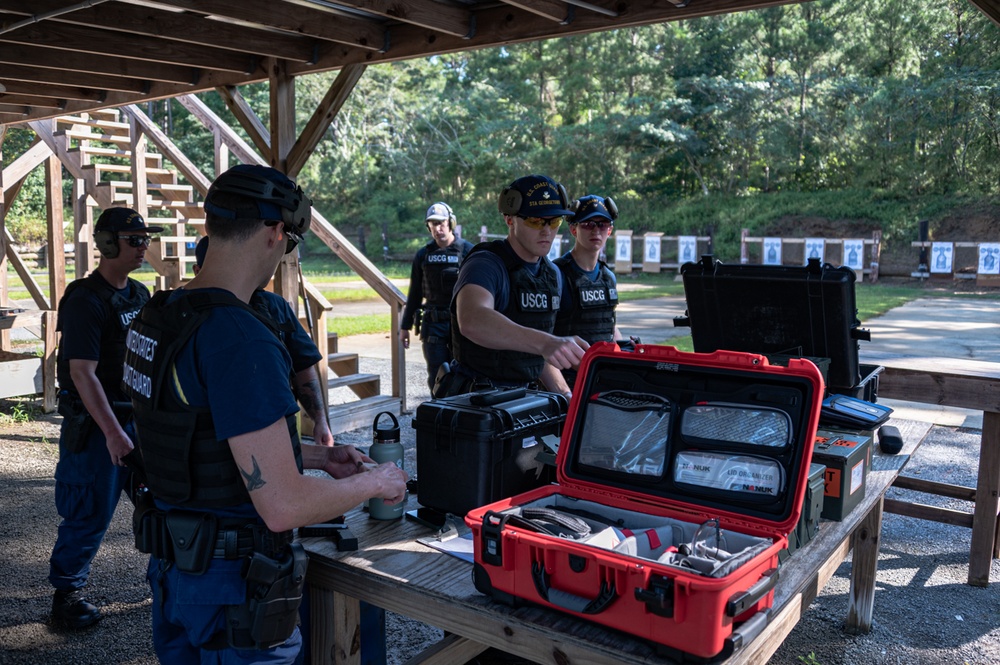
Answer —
(989, 7)
(53, 91)
(27, 73)
(136, 20)
(552, 10)
(248, 119)
(451, 20)
(327, 110)
(312, 21)
(39, 56)
(76, 39)
(33, 100)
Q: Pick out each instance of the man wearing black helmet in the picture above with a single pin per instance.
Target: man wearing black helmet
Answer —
(96, 433)
(507, 296)
(215, 419)
(432, 279)
(590, 291)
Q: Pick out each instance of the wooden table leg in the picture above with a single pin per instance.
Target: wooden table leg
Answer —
(335, 623)
(984, 517)
(864, 565)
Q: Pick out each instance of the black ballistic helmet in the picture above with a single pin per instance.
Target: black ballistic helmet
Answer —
(276, 195)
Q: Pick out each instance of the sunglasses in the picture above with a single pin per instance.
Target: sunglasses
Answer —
(137, 241)
(538, 223)
(293, 238)
(592, 224)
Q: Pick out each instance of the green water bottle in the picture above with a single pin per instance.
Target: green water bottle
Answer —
(386, 448)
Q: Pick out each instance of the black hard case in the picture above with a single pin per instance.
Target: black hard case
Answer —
(792, 310)
(477, 448)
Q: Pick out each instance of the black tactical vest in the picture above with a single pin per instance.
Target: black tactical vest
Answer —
(121, 311)
(185, 464)
(440, 271)
(533, 303)
(592, 314)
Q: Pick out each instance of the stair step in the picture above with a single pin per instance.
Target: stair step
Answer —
(361, 413)
(352, 380)
(331, 342)
(154, 159)
(127, 168)
(96, 123)
(84, 135)
(167, 190)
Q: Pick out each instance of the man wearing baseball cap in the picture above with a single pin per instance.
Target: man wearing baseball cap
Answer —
(97, 433)
(507, 297)
(432, 279)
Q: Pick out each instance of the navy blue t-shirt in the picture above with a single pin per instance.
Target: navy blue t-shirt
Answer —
(487, 270)
(238, 368)
(300, 345)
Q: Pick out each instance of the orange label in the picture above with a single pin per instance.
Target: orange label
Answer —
(831, 483)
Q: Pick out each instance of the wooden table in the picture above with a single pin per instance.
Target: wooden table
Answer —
(968, 384)
(392, 571)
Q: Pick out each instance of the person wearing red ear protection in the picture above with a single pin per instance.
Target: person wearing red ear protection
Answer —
(432, 279)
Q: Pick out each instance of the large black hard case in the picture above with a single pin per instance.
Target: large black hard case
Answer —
(477, 448)
(806, 311)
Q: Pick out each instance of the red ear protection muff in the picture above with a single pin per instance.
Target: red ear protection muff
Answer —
(107, 243)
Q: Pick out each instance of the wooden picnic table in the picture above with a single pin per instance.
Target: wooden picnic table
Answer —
(391, 570)
(968, 384)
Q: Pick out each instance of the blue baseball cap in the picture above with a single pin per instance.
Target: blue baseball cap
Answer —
(535, 196)
(591, 206)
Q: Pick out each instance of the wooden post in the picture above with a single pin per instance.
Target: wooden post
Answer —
(56, 239)
(4, 334)
(864, 564)
(49, 340)
(623, 251)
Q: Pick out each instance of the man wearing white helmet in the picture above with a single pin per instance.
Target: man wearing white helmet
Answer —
(432, 278)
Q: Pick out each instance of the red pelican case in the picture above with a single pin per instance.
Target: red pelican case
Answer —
(680, 476)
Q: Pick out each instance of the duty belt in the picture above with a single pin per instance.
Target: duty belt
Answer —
(240, 542)
(436, 314)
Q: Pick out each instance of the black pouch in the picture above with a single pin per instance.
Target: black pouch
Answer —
(192, 539)
(76, 430)
(449, 382)
(274, 593)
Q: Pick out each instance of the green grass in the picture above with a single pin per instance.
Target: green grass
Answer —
(345, 326)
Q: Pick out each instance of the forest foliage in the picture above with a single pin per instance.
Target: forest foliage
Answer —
(883, 112)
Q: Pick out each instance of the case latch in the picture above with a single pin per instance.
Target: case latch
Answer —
(492, 538)
(659, 597)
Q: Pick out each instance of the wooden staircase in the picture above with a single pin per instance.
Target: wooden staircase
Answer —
(96, 149)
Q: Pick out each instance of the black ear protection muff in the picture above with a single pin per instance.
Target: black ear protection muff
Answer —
(608, 202)
(511, 199)
(107, 243)
(612, 207)
(294, 204)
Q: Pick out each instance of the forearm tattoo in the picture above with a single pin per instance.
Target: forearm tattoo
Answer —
(255, 479)
(309, 399)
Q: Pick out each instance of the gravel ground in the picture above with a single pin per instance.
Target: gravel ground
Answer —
(925, 613)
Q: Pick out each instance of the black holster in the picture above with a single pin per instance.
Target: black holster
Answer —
(418, 320)
(187, 538)
(77, 424)
(274, 593)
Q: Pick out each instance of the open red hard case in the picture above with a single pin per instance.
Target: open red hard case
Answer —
(680, 476)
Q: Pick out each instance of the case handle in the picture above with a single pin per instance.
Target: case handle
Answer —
(745, 634)
(744, 600)
(569, 601)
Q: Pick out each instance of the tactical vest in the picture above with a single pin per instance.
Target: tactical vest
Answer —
(440, 271)
(185, 464)
(533, 303)
(284, 330)
(592, 313)
(121, 310)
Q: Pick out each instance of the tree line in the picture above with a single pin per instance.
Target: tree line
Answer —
(896, 98)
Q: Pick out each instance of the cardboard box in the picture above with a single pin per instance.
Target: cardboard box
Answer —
(847, 457)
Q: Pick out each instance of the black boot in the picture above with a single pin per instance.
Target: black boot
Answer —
(71, 610)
